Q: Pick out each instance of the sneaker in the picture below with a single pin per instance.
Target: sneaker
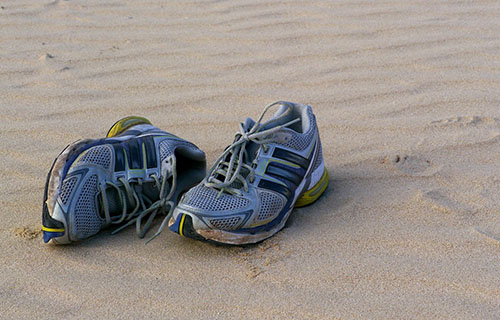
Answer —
(249, 193)
(138, 170)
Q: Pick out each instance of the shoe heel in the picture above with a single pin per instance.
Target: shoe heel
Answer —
(313, 193)
(123, 124)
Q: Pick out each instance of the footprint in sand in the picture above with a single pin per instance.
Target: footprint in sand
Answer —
(45, 57)
(258, 258)
(55, 3)
(467, 121)
(49, 63)
(489, 192)
(441, 202)
(494, 237)
(412, 165)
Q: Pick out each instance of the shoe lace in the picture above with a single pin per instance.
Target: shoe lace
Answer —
(143, 205)
(231, 169)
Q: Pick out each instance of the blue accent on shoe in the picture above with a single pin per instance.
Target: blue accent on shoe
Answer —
(133, 153)
(175, 227)
(267, 184)
(298, 171)
(49, 235)
(79, 150)
(281, 174)
(149, 145)
(292, 157)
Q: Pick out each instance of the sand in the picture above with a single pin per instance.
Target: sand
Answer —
(407, 97)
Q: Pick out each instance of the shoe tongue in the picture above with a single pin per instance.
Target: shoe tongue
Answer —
(283, 115)
(115, 205)
(251, 147)
(249, 122)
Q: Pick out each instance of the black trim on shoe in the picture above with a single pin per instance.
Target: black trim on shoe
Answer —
(188, 229)
(292, 157)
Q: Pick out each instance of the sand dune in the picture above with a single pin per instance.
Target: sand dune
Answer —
(407, 96)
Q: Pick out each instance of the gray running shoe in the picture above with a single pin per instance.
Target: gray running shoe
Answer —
(137, 171)
(249, 193)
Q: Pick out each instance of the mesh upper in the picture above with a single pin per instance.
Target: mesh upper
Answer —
(66, 189)
(300, 141)
(225, 223)
(94, 166)
(206, 198)
(167, 147)
(99, 155)
(270, 205)
(87, 221)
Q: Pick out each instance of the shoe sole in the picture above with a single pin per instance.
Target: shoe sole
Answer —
(184, 224)
(124, 124)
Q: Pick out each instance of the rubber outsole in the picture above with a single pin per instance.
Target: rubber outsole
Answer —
(126, 123)
(313, 194)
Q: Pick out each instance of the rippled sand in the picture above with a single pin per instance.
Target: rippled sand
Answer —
(407, 96)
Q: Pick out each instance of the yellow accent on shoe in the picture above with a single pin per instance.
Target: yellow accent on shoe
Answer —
(315, 192)
(123, 124)
(52, 229)
(181, 224)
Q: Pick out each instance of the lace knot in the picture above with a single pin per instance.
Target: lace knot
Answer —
(245, 136)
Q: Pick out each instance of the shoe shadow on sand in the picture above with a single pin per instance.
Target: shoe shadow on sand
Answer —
(323, 210)
(341, 191)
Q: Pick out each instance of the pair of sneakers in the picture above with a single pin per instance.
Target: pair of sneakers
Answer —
(139, 171)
